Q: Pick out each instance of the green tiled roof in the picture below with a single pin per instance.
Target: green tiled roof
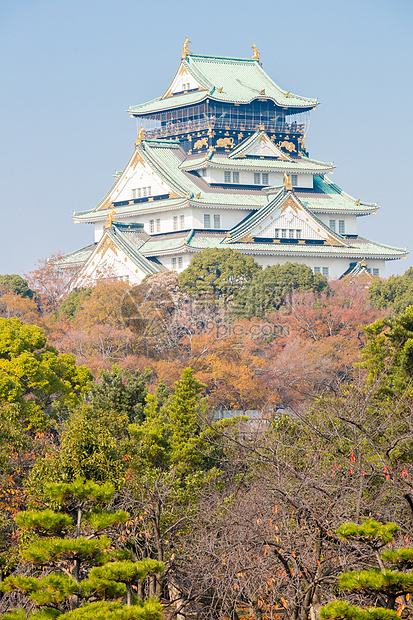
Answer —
(249, 223)
(166, 163)
(303, 164)
(78, 256)
(359, 247)
(159, 104)
(327, 197)
(130, 248)
(166, 159)
(231, 80)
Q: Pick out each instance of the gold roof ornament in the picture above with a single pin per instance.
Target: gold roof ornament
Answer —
(256, 54)
(141, 136)
(287, 182)
(363, 263)
(110, 219)
(357, 203)
(185, 50)
(289, 95)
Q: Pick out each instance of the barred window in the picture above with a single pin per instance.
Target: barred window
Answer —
(158, 225)
(298, 234)
(333, 225)
(235, 177)
(174, 263)
(227, 176)
(257, 178)
(341, 227)
(294, 179)
(284, 233)
(144, 191)
(291, 233)
(151, 226)
(325, 271)
(317, 269)
(179, 262)
(149, 191)
(175, 221)
(207, 220)
(265, 178)
(182, 221)
(276, 233)
(217, 221)
(376, 272)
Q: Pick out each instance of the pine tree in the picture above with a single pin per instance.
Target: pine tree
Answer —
(76, 568)
(390, 584)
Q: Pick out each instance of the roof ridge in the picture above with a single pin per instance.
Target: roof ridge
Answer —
(225, 58)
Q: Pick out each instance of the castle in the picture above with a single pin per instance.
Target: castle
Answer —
(220, 162)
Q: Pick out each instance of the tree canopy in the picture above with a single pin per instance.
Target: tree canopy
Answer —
(218, 273)
(395, 293)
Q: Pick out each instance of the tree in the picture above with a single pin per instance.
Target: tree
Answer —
(121, 391)
(13, 283)
(389, 350)
(50, 280)
(271, 288)
(32, 373)
(395, 293)
(73, 302)
(383, 589)
(217, 273)
(77, 569)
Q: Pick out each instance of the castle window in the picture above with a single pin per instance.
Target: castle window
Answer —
(298, 234)
(151, 226)
(227, 176)
(179, 262)
(133, 194)
(376, 272)
(257, 178)
(207, 220)
(341, 227)
(325, 271)
(158, 225)
(317, 269)
(175, 221)
(217, 221)
(294, 179)
(284, 233)
(235, 177)
(333, 225)
(265, 178)
(276, 233)
(149, 191)
(291, 233)
(144, 191)
(182, 221)
(174, 263)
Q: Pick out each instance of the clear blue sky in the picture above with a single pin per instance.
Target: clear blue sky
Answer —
(70, 69)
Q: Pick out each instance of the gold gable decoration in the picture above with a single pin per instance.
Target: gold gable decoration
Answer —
(256, 54)
(185, 50)
(141, 136)
(287, 182)
(110, 218)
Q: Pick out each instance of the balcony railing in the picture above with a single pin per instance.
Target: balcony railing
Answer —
(178, 128)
